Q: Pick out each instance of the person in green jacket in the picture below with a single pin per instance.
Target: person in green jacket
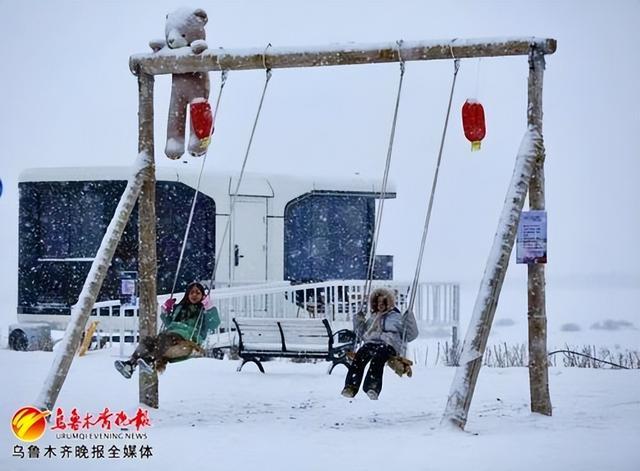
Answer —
(186, 326)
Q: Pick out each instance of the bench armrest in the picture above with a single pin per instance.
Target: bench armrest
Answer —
(344, 336)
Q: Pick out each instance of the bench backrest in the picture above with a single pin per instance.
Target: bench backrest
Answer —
(286, 335)
(306, 334)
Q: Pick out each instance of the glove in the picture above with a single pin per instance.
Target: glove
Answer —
(168, 304)
(207, 303)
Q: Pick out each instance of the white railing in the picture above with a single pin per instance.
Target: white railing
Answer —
(115, 323)
(437, 305)
(120, 325)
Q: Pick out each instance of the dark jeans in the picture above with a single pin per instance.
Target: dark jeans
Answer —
(377, 354)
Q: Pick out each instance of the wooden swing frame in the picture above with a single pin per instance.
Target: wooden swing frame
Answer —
(528, 177)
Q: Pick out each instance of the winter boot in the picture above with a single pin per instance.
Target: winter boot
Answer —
(349, 391)
(144, 366)
(125, 368)
(373, 394)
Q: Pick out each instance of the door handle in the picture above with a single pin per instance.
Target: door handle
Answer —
(236, 255)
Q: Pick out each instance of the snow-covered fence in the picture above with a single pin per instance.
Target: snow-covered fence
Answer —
(437, 304)
(116, 324)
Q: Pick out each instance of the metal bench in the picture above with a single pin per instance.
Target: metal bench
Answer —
(263, 339)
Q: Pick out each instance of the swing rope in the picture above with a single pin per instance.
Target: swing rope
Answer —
(200, 319)
(383, 190)
(223, 79)
(234, 195)
(414, 285)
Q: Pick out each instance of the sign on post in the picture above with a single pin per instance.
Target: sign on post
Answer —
(531, 246)
(129, 289)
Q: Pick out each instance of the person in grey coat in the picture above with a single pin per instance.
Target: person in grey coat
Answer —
(382, 337)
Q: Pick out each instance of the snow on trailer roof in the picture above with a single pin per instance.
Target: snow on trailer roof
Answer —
(255, 184)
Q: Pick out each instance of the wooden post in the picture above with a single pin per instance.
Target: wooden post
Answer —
(147, 266)
(82, 309)
(463, 385)
(536, 315)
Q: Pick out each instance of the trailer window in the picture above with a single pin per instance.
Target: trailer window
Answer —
(62, 225)
(327, 237)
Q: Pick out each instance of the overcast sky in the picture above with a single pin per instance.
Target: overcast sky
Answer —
(67, 98)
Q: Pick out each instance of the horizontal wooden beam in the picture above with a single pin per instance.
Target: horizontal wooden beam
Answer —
(177, 61)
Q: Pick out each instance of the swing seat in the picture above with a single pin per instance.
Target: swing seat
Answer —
(182, 351)
(173, 347)
(400, 365)
(174, 350)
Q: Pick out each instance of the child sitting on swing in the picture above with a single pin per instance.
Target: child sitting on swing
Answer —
(382, 336)
(187, 325)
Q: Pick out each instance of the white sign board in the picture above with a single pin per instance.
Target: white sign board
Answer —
(531, 246)
(128, 289)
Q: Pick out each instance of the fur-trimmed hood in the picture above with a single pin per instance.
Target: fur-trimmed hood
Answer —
(384, 325)
(386, 295)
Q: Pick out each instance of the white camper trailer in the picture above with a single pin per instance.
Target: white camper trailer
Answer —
(281, 229)
(295, 246)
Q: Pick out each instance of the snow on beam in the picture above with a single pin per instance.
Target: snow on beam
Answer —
(172, 61)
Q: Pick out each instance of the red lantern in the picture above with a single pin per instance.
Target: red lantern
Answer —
(473, 122)
(201, 118)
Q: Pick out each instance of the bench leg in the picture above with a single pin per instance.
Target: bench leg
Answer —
(253, 360)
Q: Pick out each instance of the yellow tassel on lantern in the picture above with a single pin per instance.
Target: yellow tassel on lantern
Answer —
(204, 143)
(475, 146)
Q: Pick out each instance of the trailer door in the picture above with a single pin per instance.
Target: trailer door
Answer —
(248, 248)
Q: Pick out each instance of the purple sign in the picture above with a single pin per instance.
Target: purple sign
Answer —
(531, 246)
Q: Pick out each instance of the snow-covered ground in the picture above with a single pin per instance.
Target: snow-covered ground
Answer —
(293, 418)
